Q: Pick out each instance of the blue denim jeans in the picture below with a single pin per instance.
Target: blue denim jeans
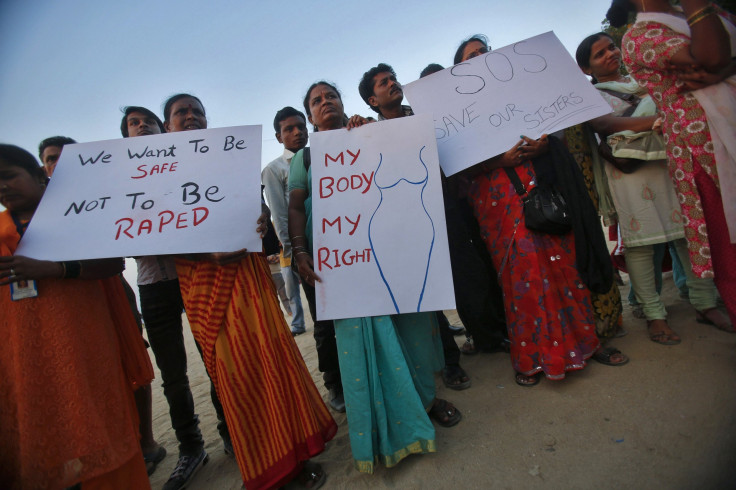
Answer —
(291, 281)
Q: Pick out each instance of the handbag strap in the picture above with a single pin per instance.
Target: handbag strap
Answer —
(516, 181)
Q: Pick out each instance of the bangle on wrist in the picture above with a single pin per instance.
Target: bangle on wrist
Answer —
(701, 14)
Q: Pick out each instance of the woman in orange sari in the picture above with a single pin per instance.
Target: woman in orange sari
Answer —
(276, 416)
(70, 358)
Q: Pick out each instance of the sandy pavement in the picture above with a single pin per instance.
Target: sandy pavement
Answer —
(665, 420)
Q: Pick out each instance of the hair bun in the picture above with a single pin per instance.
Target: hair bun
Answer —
(618, 14)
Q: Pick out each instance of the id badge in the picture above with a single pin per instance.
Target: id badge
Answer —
(23, 289)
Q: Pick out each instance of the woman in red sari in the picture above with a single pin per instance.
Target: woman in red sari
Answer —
(548, 307)
(70, 358)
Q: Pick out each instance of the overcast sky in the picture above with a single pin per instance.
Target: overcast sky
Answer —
(67, 67)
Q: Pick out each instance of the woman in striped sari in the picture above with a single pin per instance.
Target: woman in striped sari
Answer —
(276, 417)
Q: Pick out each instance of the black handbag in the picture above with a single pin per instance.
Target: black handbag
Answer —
(545, 210)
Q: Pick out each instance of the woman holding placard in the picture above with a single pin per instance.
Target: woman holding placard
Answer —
(548, 307)
(387, 363)
(699, 121)
(71, 357)
(276, 417)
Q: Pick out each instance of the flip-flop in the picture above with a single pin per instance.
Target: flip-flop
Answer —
(153, 459)
(604, 356)
(468, 348)
(721, 323)
(312, 476)
(445, 413)
(528, 381)
(662, 338)
(453, 377)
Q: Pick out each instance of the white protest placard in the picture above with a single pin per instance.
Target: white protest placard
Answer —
(482, 106)
(380, 238)
(186, 192)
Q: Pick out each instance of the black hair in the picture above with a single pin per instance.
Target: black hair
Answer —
(59, 141)
(309, 91)
(619, 12)
(286, 113)
(171, 100)
(431, 68)
(127, 111)
(582, 54)
(18, 157)
(365, 87)
(476, 37)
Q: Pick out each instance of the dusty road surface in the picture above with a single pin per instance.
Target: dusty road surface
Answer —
(666, 420)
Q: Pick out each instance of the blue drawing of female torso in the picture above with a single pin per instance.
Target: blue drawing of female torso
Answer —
(403, 263)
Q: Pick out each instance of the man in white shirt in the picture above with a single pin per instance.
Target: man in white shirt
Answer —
(291, 131)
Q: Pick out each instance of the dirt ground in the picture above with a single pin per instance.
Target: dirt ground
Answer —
(665, 420)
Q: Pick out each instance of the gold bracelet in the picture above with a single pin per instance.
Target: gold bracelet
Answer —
(698, 12)
(701, 14)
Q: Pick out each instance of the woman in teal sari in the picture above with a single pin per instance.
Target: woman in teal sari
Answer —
(387, 363)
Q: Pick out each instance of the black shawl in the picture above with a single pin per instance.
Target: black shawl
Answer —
(558, 167)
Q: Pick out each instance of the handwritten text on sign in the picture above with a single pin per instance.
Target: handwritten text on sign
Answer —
(481, 106)
(380, 241)
(186, 192)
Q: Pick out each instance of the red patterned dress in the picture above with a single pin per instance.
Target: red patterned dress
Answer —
(548, 309)
(648, 49)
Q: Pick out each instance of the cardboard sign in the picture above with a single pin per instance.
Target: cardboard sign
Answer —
(186, 192)
(380, 238)
(482, 106)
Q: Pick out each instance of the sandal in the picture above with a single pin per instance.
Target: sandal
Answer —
(312, 476)
(468, 347)
(606, 356)
(455, 377)
(661, 336)
(444, 413)
(713, 316)
(153, 458)
(524, 380)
